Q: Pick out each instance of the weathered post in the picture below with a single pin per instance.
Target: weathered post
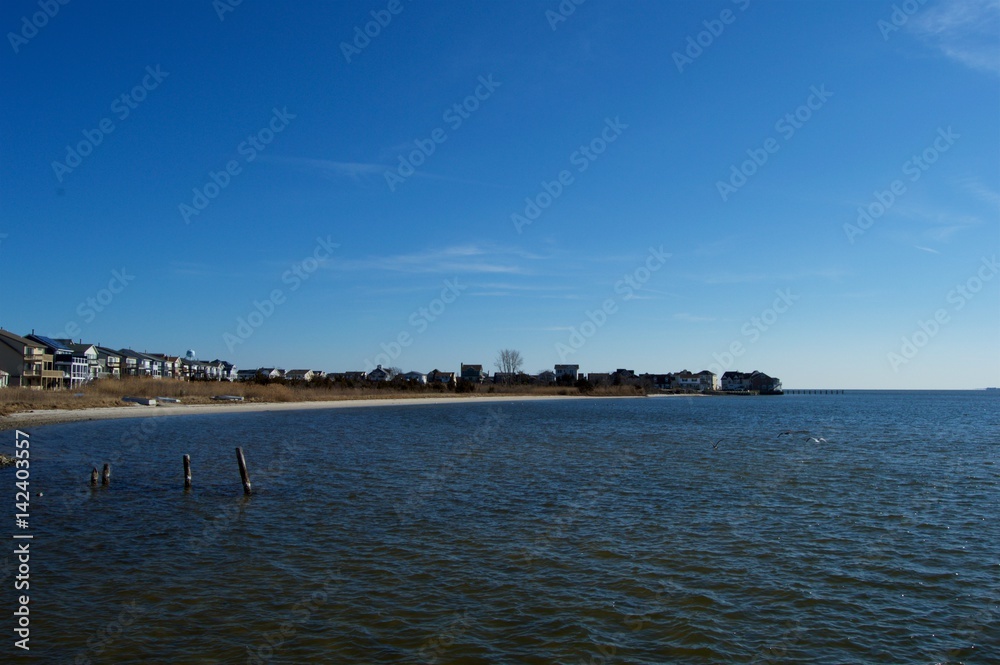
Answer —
(93, 477)
(187, 472)
(244, 476)
(106, 475)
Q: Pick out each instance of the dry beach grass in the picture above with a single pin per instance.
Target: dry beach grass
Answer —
(103, 399)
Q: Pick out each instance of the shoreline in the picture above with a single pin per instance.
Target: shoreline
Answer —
(40, 418)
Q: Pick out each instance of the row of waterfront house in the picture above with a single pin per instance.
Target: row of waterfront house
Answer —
(42, 363)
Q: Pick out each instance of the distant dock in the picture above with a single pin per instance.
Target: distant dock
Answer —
(797, 391)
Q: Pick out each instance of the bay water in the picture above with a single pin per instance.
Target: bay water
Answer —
(853, 528)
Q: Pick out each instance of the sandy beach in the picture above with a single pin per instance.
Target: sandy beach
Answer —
(38, 418)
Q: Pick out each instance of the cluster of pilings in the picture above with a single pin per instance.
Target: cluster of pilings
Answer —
(105, 476)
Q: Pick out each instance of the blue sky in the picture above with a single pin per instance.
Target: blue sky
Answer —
(650, 185)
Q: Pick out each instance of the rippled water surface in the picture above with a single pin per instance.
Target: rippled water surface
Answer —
(575, 531)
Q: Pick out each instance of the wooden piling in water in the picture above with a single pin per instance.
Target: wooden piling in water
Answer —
(106, 475)
(93, 477)
(187, 472)
(244, 476)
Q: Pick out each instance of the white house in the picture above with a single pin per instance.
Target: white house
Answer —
(73, 365)
(379, 374)
(415, 376)
(246, 375)
(89, 351)
(302, 374)
(110, 363)
(440, 377)
(708, 380)
(567, 372)
(733, 381)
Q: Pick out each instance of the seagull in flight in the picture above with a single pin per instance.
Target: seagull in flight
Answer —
(813, 439)
(716, 444)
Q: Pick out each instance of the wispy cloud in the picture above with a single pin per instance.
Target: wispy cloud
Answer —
(189, 269)
(328, 168)
(941, 223)
(976, 187)
(332, 169)
(927, 249)
(456, 260)
(750, 278)
(692, 318)
(967, 31)
(722, 246)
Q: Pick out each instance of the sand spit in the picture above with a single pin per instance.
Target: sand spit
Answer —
(38, 418)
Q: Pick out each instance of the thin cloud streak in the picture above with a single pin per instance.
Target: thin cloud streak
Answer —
(693, 318)
(964, 30)
(333, 169)
(459, 259)
(750, 278)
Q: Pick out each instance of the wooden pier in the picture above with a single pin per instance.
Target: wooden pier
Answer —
(800, 391)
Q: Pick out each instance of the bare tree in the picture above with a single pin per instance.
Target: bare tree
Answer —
(508, 363)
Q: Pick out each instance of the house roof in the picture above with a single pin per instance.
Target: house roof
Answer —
(129, 353)
(51, 343)
(11, 339)
(82, 348)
